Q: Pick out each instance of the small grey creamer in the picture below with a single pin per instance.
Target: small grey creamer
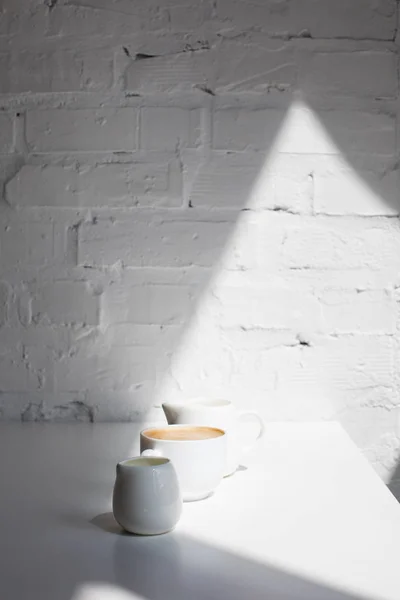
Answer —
(146, 498)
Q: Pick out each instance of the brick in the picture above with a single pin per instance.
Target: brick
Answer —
(359, 131)
(178, 72)
(365, 73)
(257, 339)
(14, 373)
(65, 302)
(320, 280)
(59, 130)
(126, 184)
(257, 371)
(169, 128)
(254, 64)
(57, 338)
(124, 7)
(357, 362)
(50, 70)
(127, 7)
(310, 131)
(268, 308)
(321, 18)
(4, 71)
(40, 362)
(105, 370)
(240, 129)
(341, 188)
(357, 19)
(377, 397)
(9, 166)
(42, 71)
(255, 242)
(201, 364)
(281, 182)
(220, 181)
(23, 19)
(152, 241)
(304, 131)
(40, 406)
(134, 334)
(359, 311)
(11, 405)
(326, 377)
(26, 244)
(149, 304)
(132, 184)
(96, 69)
(285, 183)
(24, 307)
(4, 302)
(6, 133)
(339, 244)
(127, 406)
(42, 186)
(71, 410)
(184, 18)
(94, 20)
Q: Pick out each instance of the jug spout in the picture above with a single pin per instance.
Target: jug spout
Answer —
(172, 411)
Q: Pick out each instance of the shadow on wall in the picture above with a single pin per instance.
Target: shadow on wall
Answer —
(246, 248)
(394, 483)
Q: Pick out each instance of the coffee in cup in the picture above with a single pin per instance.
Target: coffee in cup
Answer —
(198, 454)
(184, 433)
(218, 413)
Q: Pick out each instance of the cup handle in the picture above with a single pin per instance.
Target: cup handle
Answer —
(245, 415)
(151, 452)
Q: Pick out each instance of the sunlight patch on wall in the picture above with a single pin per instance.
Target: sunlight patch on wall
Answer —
(256, 332)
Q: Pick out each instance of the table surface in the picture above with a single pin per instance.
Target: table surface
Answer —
(305, 518)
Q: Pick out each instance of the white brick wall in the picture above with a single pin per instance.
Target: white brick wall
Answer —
(169, 128)
(201, 197)
(81, 130)
(349, 73)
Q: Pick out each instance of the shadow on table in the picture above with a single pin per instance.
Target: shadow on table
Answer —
(177, 567)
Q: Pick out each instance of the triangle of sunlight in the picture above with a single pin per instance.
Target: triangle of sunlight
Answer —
(247, 337)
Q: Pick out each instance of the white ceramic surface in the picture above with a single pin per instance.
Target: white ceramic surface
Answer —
(200, 464)
(146, 498)
(217, 413)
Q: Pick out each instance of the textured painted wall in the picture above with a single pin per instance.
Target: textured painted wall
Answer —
(201, 197)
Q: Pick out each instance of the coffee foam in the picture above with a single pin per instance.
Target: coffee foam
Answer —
(183, 434)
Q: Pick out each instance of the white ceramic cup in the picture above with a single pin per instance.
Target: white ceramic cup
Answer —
(199, 463)
(218, 413)
(146, 498)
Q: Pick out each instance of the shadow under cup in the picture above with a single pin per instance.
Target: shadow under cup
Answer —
(198, 454)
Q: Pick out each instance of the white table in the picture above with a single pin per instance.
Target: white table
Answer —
(307, 520)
